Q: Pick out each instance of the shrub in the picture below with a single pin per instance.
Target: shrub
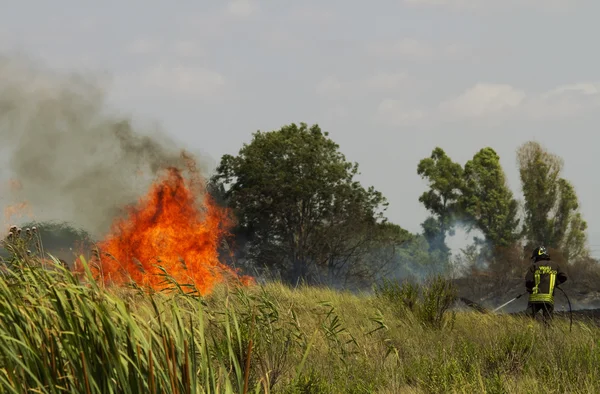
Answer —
(438, 295)
(429, 303)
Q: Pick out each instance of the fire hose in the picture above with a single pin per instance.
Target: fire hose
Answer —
(570, 309)
(506, 303)
(558, 287)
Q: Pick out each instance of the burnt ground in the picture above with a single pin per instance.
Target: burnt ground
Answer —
(585, 315)
(486, 294)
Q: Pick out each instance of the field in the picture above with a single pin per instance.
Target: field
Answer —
(62, 332)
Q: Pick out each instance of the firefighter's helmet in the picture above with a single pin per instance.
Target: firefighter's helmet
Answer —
(540, 252)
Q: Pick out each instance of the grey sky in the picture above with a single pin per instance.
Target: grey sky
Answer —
(390, 80)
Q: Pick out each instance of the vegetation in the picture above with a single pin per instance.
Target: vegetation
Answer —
(303, 218)
(300, 211)
(478, 197)
(551, 206)
(62, 332)
(442, 199)
(487, 200)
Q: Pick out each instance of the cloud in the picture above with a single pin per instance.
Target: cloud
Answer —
(483, 99)
(338, 92)
(489, 102)
(583, 88)
(492, 100)
(565, 101)
(242, 8)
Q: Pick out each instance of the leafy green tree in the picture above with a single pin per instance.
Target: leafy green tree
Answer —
(552, 214)
(445, 179)
(488, 201)
(297, 203)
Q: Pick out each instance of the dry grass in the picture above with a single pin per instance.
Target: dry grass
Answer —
(59, 334)
(62, 333)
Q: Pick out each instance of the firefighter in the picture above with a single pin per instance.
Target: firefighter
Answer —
(541, 280)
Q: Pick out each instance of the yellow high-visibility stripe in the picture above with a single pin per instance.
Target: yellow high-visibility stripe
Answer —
(535, 295)
(541, 298)
(537, 281)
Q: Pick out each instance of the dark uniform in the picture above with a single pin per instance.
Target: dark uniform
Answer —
(541, 280)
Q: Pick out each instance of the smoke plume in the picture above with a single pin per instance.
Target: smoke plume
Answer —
(67, 158)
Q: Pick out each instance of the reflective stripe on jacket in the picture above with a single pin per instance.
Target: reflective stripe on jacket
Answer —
(541, 280)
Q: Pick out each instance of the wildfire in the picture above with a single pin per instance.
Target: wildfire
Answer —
(172, 229)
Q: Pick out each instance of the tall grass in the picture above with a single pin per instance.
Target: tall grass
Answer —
(63, 334)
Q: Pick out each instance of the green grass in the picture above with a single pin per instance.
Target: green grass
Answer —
(61, 334)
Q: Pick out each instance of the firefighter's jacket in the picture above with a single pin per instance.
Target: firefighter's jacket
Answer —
(541, 280)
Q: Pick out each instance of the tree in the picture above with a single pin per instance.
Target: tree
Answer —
(297, 203)
(552, 216)
(442, 199)
(488, 201)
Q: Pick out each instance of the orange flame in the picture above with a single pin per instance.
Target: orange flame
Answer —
(168, 228)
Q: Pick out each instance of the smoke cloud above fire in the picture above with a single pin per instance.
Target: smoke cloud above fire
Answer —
(64, 156)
